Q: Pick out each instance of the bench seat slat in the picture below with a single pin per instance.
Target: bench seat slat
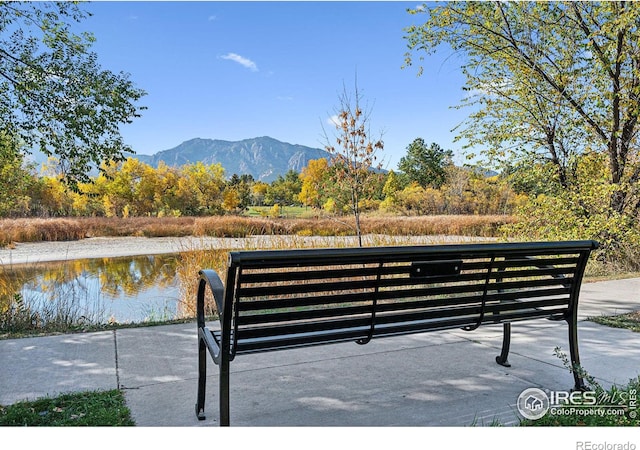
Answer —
(303, 302)
(312, 327)
(304, 314)
(301, 340)
(394, 329)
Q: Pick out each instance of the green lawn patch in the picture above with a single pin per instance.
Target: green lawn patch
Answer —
(91, 409)
(629, 321)
(290, 212)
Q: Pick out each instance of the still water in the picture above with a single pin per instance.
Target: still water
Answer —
(100, 290)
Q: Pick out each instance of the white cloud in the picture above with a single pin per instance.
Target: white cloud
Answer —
(334, 120)
(245, 62)
(212, 18)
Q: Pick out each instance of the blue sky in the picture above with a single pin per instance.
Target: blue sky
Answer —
(238, 70)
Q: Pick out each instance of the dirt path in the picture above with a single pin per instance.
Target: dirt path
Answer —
(109, 247)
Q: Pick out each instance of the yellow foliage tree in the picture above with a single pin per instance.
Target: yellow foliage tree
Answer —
(313, 177)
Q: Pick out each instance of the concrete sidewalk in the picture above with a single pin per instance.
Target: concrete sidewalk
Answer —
(431, 379)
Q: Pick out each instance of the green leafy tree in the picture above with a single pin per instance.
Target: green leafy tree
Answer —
(550, 82)
(424, 165)
(15, 178)
(354, 155)
(284, 190)
(54, 96)
(241, 185)
(552, 79)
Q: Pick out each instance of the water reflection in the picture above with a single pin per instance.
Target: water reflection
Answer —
(124, 289)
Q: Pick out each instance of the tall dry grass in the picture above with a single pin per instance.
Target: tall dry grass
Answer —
(459, 225)
(66, 229)
(34, 230)
(76, 228)
(192, 260)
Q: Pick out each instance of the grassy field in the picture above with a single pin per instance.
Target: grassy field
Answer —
(288, 212)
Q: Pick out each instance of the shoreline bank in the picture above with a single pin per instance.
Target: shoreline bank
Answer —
(113, 247)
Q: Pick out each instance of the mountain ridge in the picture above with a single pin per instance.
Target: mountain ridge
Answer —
(264, 158)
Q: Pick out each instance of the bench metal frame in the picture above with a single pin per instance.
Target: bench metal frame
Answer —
(279, 299)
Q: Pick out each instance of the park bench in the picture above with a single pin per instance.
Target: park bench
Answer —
(280, 299)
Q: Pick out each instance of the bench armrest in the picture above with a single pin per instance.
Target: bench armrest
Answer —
(212, 279)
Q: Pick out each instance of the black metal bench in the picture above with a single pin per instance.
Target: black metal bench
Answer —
(281, 299)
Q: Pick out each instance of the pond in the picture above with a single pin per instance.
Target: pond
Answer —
(99, 290)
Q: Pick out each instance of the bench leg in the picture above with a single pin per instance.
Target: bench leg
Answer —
(202, 378)
(506, 343)
(202, 385)
(576, 368)
(224, 392)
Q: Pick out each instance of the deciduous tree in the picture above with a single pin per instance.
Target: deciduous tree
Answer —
(354, 154)
(54, 96)
(549, 82)
(15, 178)
(313, 177)
(284, 190)
(556, 78)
